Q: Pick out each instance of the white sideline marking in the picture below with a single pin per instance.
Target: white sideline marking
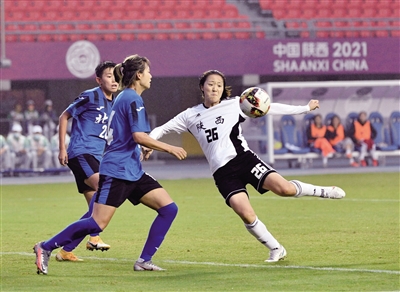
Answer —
(266, 266)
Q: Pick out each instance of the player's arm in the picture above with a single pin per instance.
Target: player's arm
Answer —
(286, 109)
(177, 125)
(62, 132)
(146, 141)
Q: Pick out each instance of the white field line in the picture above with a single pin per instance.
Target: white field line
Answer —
(342, 200)
(266, 266)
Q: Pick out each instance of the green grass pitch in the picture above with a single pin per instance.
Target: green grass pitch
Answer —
(333, 245)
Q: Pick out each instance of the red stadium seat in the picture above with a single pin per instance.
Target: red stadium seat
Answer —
(176, 36)
(192, 36)
(161, 36)
(279, 13)
(308, 13)
(50, 15)
(369, 12)
(144, 36)
(181, 25)
(164, 25)
(354, 12)
(208, 35)
(181, 14)
(27, 38)
(198, 14)
(165, 14)
(225, 35)
(45, 37)
(93, 37)
(384, 12)
(126, 36)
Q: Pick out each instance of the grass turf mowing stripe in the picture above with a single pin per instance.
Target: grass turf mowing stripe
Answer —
(266, 266)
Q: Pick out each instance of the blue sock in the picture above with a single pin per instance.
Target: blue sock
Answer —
(76, 230)
(71, 246)
(158, 230)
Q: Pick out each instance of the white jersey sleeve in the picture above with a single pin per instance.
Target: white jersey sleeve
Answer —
(285, 109)
(177, 125)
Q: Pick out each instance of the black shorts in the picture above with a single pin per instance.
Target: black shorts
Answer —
(113, 191)
(246, 168)
(83, 166)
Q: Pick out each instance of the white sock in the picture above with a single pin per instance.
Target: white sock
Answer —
(304, 189)
(260, 232)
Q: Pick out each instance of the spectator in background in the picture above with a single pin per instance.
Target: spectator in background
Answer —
(363, 134)
(5, 158)
(54, 145)
(48, 118)
(19, 148)
(40, 149)
(31, 116)
(341, 143)
(16, 116)
(317, 138)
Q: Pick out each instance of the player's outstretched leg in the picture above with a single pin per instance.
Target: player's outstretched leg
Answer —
(42, 258)
(304, 189)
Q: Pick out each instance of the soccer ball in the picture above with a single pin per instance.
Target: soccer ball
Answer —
(255, 102)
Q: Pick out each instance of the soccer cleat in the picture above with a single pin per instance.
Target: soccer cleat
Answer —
(333, 193)
(95, 243)
(363, 163)
(146, 266)
(354, 164)
(277, 254)
(42, 258)
(63, 255)
(375, 162)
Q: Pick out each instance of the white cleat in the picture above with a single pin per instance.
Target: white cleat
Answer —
(334, 193)
(146, 266)
(276, 254)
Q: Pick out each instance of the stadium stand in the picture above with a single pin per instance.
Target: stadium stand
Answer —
(59, 20)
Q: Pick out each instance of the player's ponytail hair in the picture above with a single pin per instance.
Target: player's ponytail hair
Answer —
(125, 73)
(227, 89)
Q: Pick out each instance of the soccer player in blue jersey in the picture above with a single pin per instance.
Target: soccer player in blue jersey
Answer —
(121, 173)
(89, 112)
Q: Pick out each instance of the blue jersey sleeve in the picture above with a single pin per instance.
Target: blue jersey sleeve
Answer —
(138, 120)
(80, 105)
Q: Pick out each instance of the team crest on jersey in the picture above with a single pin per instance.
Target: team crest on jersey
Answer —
(219, 120)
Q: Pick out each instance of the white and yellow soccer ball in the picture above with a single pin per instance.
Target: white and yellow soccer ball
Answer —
(255, 102)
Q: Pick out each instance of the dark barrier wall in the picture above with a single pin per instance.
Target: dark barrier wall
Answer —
(63, 60)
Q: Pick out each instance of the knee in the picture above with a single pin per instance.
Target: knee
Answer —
(170, 210)
(286, 189)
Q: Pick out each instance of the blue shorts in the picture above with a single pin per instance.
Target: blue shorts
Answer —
(113, 191)
(83, 166)
(246, 168)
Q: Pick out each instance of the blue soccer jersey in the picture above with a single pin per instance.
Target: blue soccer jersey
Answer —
(122, 155)
(90, 112)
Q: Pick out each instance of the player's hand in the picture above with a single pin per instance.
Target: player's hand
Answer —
(178, 152)
(313, 104)
(146, 152)
(63, 157)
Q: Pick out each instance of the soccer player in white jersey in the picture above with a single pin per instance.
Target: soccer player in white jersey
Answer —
(121, 173)
(21, 156)
(5, 157)
(55, 146)
(40, 149)
(216, 125)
